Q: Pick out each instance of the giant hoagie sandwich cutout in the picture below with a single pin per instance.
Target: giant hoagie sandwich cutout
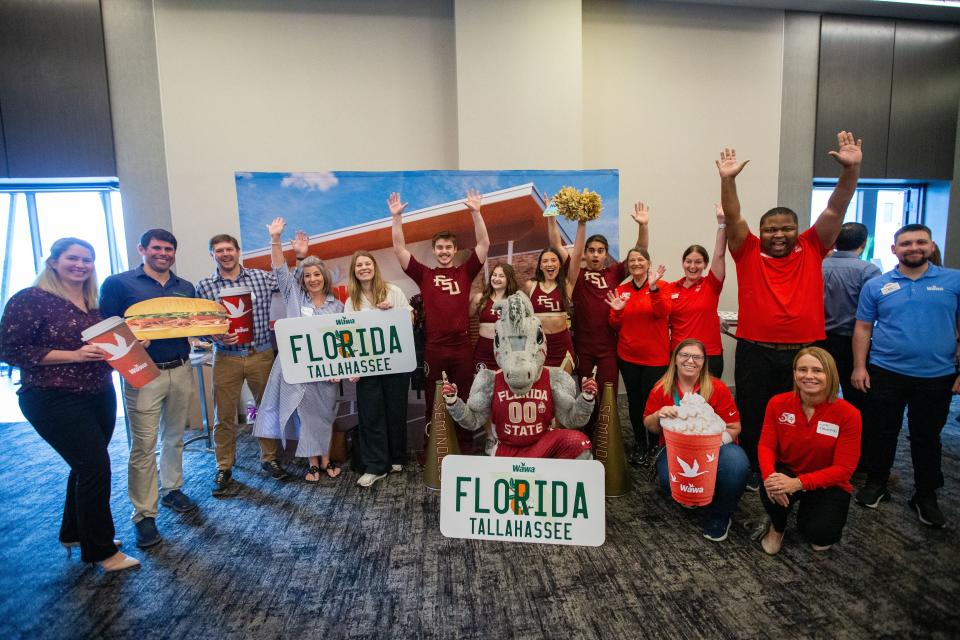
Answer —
(172, 317)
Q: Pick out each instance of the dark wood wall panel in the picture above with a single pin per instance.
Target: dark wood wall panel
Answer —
(853, 92)
(926, 92)
(53, 89)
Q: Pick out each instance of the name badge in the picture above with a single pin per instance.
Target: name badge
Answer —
(828, 429)
(674, 296)
(889, 288)
(307, 311)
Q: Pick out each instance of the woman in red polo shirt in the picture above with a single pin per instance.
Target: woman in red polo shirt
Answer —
(808, 450)
(639, 310)
(687, 374)
(696, 296)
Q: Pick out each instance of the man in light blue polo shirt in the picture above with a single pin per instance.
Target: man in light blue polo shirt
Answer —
(911, 313)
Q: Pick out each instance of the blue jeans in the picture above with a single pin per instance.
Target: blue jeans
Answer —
(732, 471)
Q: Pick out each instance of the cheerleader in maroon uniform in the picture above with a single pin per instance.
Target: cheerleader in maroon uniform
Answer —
(549, 292)
(502, 283)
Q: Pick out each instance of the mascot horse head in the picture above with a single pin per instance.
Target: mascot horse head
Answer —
(519, 344)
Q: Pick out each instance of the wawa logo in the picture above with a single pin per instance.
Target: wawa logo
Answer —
(449, 285)
(117, 349)
(236, 311)
(788, 418)
(689, 471)
(548, 303)
(595, 279)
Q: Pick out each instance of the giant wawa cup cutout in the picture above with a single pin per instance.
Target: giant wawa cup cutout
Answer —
(238, 302)
(125, 353)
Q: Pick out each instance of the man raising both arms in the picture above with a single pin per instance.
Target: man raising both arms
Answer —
(594, 340)
(780, 287)
(446, 303)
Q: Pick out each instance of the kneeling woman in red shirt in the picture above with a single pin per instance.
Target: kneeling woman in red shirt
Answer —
(808, 450)
(687, 374)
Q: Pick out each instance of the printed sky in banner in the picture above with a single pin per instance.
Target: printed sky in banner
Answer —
(324, 201)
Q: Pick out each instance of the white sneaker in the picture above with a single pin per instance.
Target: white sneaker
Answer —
(396, 468)
(367, 479)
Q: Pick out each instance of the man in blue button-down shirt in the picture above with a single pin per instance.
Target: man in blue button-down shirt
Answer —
(911, 313)
(844, 274)
(234, 363)
(162, 405)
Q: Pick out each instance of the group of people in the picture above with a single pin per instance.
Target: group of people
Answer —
(788, 434)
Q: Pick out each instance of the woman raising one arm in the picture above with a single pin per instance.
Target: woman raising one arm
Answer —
(696, 297)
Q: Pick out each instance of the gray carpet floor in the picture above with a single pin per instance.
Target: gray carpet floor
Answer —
(292, 560)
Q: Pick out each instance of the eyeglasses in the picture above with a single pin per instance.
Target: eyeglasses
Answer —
(696, 357)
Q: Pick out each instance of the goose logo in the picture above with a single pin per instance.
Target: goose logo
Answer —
(689, 471)
(234, 312)
(595, 279)
(788, 418)
(116, 349)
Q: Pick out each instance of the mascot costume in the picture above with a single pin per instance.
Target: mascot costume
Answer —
(523, 397)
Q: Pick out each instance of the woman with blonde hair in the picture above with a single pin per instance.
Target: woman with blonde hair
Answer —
(809, 448)
(382, 399)
(303, 412)
(688, 373)
(67, 392)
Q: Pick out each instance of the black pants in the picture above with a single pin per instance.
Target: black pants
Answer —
(639, 381)
(715, 365)
(821, 515)
(79, 427)
(760, 374)
(841, 348)
(928, 400)
(382, 413)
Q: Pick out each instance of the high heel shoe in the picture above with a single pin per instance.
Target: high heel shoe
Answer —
(70, 546)
(118, 562)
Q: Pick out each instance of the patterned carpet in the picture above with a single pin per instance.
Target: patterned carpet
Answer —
(291, 560)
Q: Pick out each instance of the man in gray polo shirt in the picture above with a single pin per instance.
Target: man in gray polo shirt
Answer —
(844, 275)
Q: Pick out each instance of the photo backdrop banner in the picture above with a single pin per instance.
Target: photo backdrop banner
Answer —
(344, 212)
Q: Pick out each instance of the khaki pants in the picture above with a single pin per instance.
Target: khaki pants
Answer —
(229, 373)
(159, 408)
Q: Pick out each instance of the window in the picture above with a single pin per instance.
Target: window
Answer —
(882, 208)
(35, 215)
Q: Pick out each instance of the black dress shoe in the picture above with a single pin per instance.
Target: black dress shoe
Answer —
(147, 533)
(274, 469)
(221, 482)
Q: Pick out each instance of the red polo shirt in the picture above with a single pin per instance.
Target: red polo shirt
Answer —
(643, 324)
(822, 451)
(693, 313)
(781, 299)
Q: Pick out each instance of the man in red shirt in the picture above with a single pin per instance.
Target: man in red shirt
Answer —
(780, 282)
(594, 340)
(446, 303)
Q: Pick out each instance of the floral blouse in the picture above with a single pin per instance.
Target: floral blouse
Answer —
(35, 323)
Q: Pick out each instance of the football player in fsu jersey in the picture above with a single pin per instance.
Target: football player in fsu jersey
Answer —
(523, 397)
(446, 301)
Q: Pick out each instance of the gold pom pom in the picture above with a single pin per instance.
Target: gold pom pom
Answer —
(578, 206)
